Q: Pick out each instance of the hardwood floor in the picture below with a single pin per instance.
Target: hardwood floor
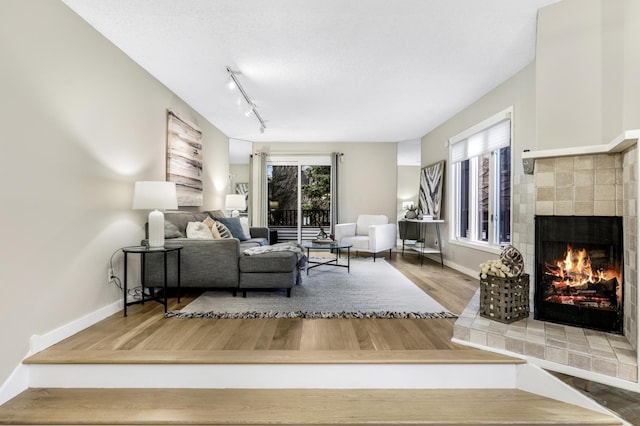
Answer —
(146, 330)
(297, 407)
(147, 337)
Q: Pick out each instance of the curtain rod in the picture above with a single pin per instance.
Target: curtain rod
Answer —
(297, 153)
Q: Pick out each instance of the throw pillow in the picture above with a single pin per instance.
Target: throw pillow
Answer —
(212, 227)
(223, 230)
(233, 224)
(198, 231)
(244, 222)
(171, 230)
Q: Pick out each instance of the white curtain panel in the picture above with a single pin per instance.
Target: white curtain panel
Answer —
(258, 189)
(335, 161)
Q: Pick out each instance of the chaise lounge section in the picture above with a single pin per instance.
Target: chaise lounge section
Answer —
(220, 263)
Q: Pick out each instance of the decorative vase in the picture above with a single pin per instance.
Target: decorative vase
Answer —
(411, 214)
(322, 235)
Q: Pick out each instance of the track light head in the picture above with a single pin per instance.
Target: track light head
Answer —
(234, 83)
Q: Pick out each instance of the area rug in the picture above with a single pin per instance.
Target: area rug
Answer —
(370, 290)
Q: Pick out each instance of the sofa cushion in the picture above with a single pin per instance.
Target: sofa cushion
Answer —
(234, 226)
(181, 219)
(171, 230)
(215, 214)
(283, 261)
(360, 242)
(199, 230)
(253, 242)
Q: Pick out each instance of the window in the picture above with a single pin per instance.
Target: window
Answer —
(481, 183)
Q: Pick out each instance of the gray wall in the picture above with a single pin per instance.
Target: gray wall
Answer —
(587, 65)
(80, 123)
(518, 91)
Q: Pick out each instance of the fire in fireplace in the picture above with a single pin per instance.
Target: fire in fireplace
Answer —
(579, 271)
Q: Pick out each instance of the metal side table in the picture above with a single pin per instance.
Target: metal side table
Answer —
(424, 248)
(143, 251)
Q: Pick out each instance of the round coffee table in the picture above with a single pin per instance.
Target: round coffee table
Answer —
(334, 247)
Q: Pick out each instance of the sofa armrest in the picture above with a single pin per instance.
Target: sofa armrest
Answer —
(259, 232)
(345, 230)
(382, 237)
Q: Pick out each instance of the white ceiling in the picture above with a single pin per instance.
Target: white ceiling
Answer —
(324, 70)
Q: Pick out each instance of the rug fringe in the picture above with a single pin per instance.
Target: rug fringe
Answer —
(311, 315)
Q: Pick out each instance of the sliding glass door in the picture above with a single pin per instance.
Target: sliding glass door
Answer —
(299, 196)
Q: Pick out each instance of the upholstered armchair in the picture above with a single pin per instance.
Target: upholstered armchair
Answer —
(370, 233)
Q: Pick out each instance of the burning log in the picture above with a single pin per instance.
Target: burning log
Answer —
(609, 285)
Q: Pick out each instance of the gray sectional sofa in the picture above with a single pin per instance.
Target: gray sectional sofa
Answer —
(220, 263)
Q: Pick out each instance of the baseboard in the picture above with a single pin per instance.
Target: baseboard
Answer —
(40, 342)
(462, 269)
(16, 383)
(19, 379)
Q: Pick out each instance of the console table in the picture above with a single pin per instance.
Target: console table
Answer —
(143, 251)
(424, 249)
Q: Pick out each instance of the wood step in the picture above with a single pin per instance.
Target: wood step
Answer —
(72, 356)
(48, 406)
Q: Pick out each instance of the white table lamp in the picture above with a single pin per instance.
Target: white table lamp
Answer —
(154, 196)
(235, 202)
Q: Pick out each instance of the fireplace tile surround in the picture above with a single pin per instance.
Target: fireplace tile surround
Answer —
(580, 185)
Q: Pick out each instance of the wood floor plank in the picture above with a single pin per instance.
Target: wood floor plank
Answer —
(292, 407)
(226, 331)
(349, 335)
(209, 332)
(375, 335)
(309, 336)
(394, 333)
(288, 334)
(246, 334)
(268, 334)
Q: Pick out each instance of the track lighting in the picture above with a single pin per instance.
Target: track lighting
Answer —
(251, 107)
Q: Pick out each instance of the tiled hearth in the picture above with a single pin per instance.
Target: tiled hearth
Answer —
(594, 351)
(581, 185)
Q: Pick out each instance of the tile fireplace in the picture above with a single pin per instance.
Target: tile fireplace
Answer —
(595, 185)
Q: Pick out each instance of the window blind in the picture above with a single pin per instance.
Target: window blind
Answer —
(485, 141)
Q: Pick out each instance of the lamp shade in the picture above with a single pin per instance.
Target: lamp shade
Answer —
(235, 202)
(153, 196)
(148, 195)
